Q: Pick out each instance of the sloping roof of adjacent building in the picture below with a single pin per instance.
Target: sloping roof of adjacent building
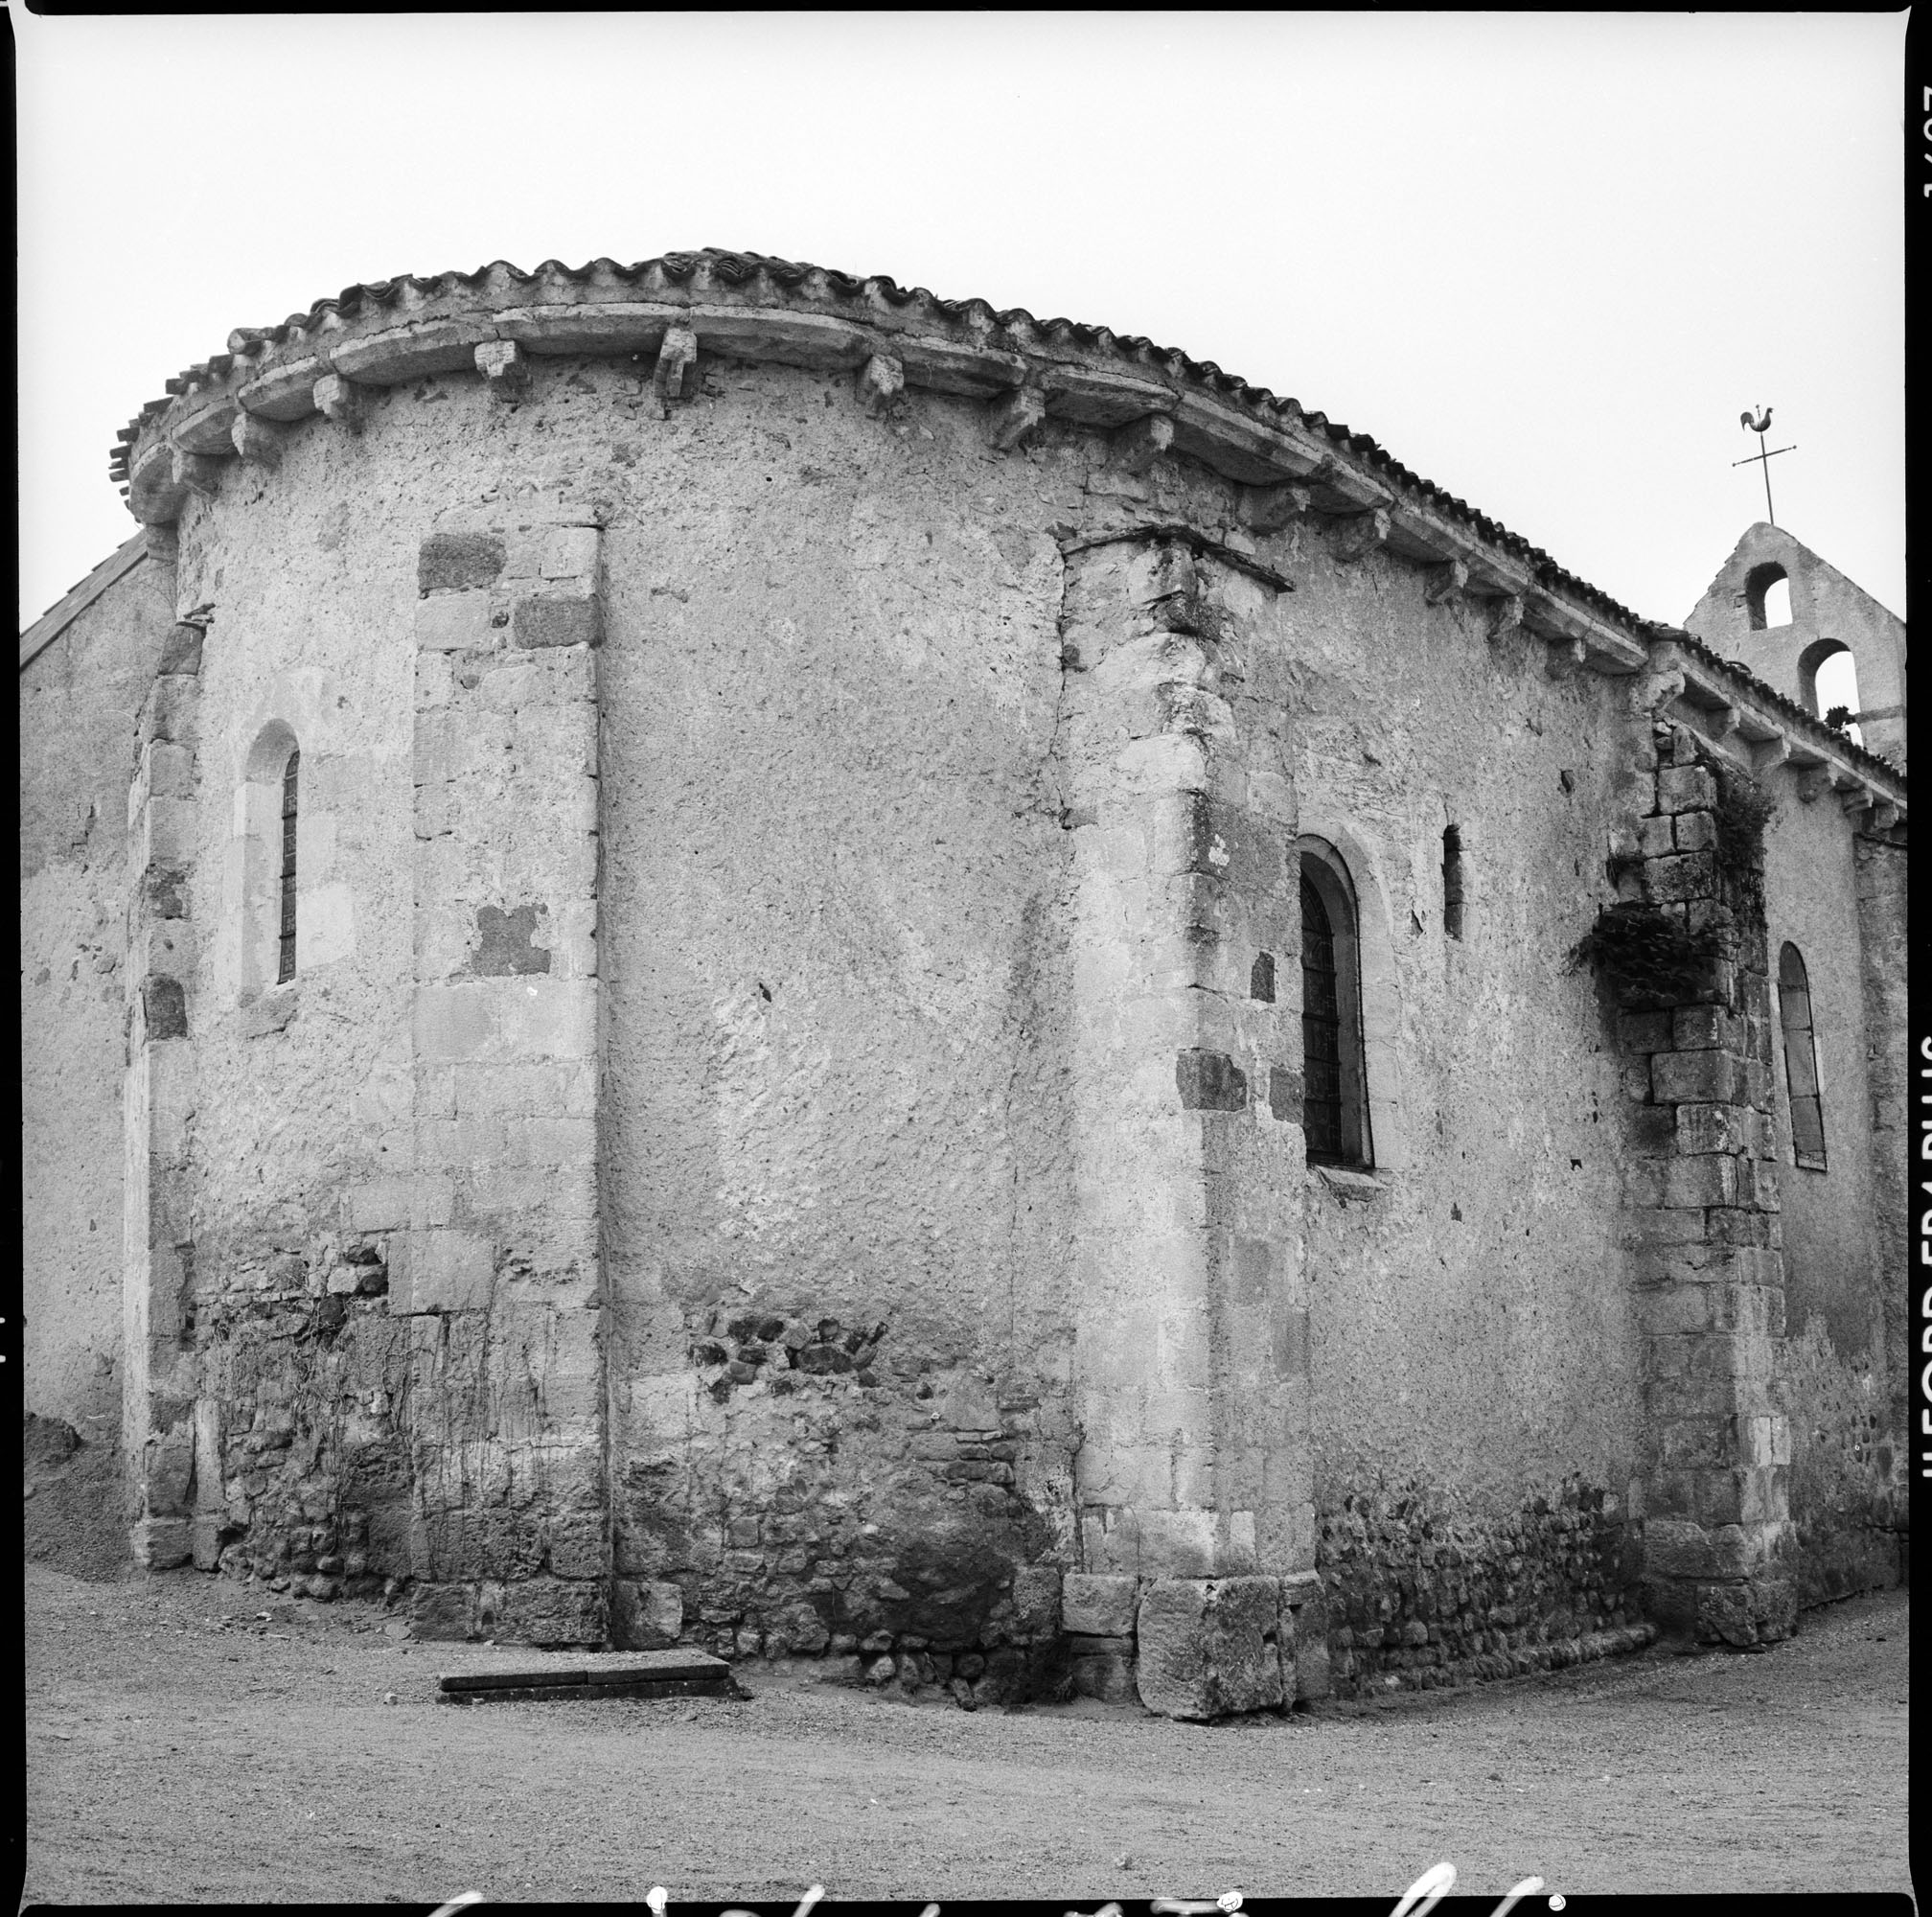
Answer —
(76, 599)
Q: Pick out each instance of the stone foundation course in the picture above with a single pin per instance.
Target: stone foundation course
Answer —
(1417, 1599)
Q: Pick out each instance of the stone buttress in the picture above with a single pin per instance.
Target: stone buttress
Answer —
(499, 1274)
(1193, 1478)
(1689, 966)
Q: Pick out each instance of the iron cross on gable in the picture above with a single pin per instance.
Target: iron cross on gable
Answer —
(1760, 426)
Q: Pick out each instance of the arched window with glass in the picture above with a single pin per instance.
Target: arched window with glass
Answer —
(271, 825)
(1334, 1074)
(1802, 1092)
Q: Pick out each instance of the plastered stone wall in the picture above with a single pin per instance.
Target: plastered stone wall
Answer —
(79, 699)
(394, 1151)
(1830, 1230)
(301, 1130)
(322, 1416)
(1468, 1509)
(1843, 1365)
(838, 1129)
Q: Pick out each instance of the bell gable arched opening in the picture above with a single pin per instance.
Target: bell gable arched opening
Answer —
(1828, 683)
(1767, 596)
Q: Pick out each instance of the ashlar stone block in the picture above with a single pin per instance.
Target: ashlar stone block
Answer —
(209, 1531)
(377, 1204)
(1709, 1078)
(453, 1022)
(1712, 1128)
(1686, 789)
(453, 562)
(1210, 1647)
(450, 1270)
(1107, 1675)
(1677, 1548)
(160, 1543)
(547, 1018)
(455, 622)
(1695, 831)
(570, 552)
(558, 619)
(1758, 1610)
(1099, 1603)
(553, 1610)
(1698, 1183)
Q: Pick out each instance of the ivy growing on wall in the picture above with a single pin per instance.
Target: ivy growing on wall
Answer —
(1741, 814)
(1645, 956)
(1650, 957)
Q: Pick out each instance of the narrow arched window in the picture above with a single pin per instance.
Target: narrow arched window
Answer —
(284, 969)
(1801, 1061)
(1335, 1102)
(267, 888)
(1320, 1029)
(1451, 881)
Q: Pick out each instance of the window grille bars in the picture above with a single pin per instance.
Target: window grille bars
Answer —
(285, 965)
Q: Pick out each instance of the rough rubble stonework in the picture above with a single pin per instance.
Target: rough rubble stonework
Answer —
(787, 1133)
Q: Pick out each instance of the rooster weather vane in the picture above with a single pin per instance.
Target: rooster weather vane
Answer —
(1760, 426)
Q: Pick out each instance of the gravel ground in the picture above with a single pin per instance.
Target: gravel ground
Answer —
(183, 1747)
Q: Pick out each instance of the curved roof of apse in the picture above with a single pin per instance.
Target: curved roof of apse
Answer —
(503, 301)
(755, 279)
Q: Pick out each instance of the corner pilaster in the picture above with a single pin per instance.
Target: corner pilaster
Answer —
(1194, 1480)
(158, 1422)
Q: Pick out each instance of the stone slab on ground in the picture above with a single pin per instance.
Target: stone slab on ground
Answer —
(568, 1693)
(521, 1672)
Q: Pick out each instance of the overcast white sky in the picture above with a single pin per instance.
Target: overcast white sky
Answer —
(1545, 260)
